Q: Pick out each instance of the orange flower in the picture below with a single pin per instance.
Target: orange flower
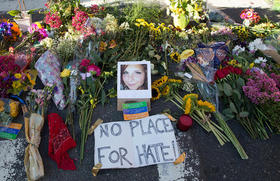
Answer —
(112, 44)
(16, 29)
(102, 46)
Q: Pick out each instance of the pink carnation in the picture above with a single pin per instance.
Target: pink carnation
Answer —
(94, 68)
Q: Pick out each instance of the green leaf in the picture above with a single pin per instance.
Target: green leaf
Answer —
(103, 97)
(97, 58)
(227, 111)
(240, 82)
(31, 11)
(220, 87)
(227, 89)
(232, 107)
(236, 92)
(243, 114)
(14, 12)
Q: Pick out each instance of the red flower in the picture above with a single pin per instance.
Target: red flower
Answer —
(226, 71)
(219, 74)
(237, 70)
(85, 63)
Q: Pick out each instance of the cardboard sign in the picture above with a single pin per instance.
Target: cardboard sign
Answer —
(136, 143)
(136, 110)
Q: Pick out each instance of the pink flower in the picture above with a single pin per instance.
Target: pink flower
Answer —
(53, 20)
(95, 69)
(79, 20)
(243, 16)
(249, 13)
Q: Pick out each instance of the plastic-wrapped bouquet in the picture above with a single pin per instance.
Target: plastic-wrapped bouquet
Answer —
(264, 92)
(249, 17)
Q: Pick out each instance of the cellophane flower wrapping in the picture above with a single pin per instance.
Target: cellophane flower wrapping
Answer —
(48, 67)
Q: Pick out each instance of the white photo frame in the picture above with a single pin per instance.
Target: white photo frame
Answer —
(130, 84)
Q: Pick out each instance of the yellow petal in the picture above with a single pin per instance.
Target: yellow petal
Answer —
(180, 159)
(186, 54)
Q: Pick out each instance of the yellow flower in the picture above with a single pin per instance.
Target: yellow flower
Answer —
(16, 84)
(137, 24)
(93, 103)
(207, 105)
(82, 90)
(160, 82)
(38, 24)
(17, 75)
(174, 80)
(2, 106)
(251, 65)
(155, 93)
(195, 96)
(102, 46)
(14, 108)
(65, 73)
(30, 80)
(188, 106)
(232, 62)
(175, 56)
(166, 90)
(186, 54)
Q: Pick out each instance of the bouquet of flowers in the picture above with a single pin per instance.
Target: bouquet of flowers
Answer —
(184, 11)
(263, 91)
(198, 110)
(37, 104)
(9, 33)
(249, 17)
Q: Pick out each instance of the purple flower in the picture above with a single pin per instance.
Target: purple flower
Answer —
(260, 88)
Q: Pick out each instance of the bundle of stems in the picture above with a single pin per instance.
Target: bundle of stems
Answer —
(222, 131)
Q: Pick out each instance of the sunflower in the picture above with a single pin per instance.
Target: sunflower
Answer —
(155, 93)
(188, 106)
(166, 90)
(160, 82)
(206, 105)
(174, 80)
(195, 96)
(175, 56)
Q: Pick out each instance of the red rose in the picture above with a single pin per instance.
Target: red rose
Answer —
(226, 71)
(219, 74)
(237, 71)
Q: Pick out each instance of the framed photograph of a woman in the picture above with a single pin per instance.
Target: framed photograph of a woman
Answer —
(134, 79)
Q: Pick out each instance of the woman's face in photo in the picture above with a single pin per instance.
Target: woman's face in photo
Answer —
(134, 76)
